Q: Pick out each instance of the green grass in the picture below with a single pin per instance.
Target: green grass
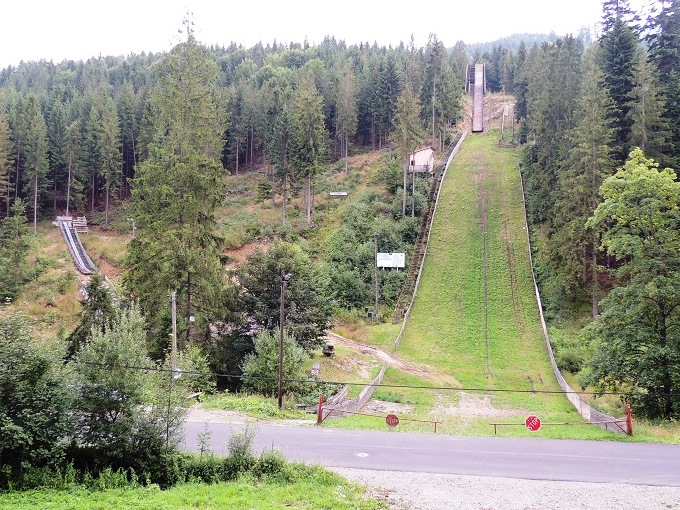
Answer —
(256, 406)
(450, 327)
(310, 488)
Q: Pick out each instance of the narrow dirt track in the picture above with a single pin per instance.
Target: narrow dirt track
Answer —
(391, 360)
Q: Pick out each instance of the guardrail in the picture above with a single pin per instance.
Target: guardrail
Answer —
(589, 413)
(354, 405)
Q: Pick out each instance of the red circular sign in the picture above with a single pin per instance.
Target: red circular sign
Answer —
(392, 420)
(533, 423)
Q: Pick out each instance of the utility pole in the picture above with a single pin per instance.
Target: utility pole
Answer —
(173, 299)
(375, 251)
(284, 278)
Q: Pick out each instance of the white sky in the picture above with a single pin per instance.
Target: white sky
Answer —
(80, 29)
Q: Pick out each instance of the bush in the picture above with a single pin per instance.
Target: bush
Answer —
(271, 464)
(34, 403)
(260, 368)
(206, 469)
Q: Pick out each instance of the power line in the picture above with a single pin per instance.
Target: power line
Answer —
(399, 386)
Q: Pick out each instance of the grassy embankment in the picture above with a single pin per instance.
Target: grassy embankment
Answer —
(475, 316)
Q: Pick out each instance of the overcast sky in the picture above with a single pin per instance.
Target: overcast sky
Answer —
(78, 29)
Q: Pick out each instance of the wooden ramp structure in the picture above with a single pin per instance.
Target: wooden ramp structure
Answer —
(475, 84)
(69, 230)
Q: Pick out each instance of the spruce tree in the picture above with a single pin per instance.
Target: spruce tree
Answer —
(649, 130)
(407, 133)
(280, 149)
(574, 248)
(109, 152)
(386, 92)
(35, 150)
(345, 110)
(175, 194)
(75, 177)
(56, 135)
(5, 161)
(127, 105)
(663, 38)
(310, 138)
(618, 57)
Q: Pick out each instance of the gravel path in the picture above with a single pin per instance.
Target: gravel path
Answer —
(428, 491)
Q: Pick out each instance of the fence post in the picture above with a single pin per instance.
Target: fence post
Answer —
(629, 420)
(319, 416)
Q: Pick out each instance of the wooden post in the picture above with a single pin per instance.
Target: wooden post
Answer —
(319, 415)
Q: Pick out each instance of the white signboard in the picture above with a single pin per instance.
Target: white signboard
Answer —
(394, 260)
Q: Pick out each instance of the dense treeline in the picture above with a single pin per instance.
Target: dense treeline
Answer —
(164, 132)
(583, 111)
(73, 133)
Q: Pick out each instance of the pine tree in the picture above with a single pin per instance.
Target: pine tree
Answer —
(618, 56)
(5, 161)
(574, 248)
(35, 150)
(175, 194)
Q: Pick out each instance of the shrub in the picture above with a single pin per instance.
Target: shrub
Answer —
(34, 402)
(271, 464)
(259, 367)
(241, 457)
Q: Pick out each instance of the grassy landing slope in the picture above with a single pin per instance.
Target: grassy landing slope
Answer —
(475, 316)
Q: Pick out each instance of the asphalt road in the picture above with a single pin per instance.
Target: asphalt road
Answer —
(530, 458)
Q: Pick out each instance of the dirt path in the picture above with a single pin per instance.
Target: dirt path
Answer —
(390, 360)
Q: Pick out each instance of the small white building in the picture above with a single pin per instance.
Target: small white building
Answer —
(422, 161)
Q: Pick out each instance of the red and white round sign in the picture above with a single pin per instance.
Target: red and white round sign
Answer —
(533, 423)
(392, 420)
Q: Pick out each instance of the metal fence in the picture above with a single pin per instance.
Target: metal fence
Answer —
(589, 413)
(334, 408)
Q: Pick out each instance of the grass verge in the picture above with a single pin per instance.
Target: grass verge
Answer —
(305, 488)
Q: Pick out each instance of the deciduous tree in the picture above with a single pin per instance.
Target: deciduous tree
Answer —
(637, 334)
(34, 401)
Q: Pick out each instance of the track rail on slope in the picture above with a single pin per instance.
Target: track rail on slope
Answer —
(83, 263)
(478, 89)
